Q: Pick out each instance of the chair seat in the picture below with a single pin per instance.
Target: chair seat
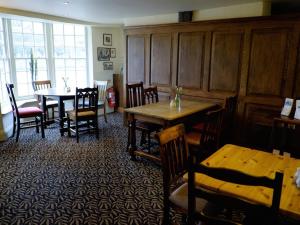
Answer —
(193, 138)
(199, 126)
(179, 197)
(72, 114)
(29, 111)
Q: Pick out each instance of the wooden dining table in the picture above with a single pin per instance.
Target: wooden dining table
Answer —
(256, 163)
(61, 95)
(165, 115)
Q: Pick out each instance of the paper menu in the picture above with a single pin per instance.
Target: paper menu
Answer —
(287, 108)
(297, 112)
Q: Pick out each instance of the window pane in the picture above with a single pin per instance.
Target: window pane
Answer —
(38, 40)
(58, 29)
(79, 30)
(38, 28)
(68, 29)
(27, 27)
(16, 26)
(28, 37)
(80, 41)
(69, 41)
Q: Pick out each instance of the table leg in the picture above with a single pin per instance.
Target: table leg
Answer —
(61, 109)
(132, 136)
(44, 108)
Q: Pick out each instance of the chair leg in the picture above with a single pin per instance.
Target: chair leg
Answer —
(69, 126)
(149, 141)
(14, 127)
(129, 138)
(143, 138)
(37, 124)
(18, 129)
(52, 112)
(104, 112)
(77, 133)
(96, 128)
(166, 218)
(42, 126)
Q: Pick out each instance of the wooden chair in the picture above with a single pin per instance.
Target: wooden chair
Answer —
(151, 95)
(174, 161)
(207, 140)
(255, 213)
(24, 113)
(135, 96)
(50, 103)
(102, 87)
(84, 115)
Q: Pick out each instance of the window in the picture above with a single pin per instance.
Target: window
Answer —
(70, 54)
(60, 50)
(28, 37)
(4, 67)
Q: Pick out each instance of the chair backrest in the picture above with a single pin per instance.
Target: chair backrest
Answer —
(12, 99)
(135, 95)
(86, 99)
(102, 87)
(227, 201)
(151, 95)
(41, 84)
(210, 137)
(173, 154)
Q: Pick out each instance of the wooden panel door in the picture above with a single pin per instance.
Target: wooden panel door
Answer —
(225, 61)
(191, 59)
(161, 58)
(268, 62)
(135, 58)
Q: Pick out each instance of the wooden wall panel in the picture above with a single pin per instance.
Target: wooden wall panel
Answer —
(190, 59)
(161, 56)
(267, 66)
(135, 59)
(225, 61)
(255, 58)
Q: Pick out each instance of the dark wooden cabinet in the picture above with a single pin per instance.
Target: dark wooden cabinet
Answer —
(255, 58)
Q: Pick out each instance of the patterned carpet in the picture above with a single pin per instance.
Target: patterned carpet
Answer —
(57, 181)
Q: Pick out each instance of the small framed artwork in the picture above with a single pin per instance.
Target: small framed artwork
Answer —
(103, 54)
(108, 66)
(107, 39)
(112, 53)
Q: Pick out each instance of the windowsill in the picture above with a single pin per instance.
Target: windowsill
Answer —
(6, 108)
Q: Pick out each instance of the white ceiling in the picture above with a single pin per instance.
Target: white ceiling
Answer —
(114, 11)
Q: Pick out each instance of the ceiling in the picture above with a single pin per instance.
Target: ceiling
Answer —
(115, 11)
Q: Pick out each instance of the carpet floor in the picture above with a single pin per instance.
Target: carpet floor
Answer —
(57, 181)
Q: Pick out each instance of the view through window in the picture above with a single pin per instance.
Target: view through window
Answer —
(59, 48)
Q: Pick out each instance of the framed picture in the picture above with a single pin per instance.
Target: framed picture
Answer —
(112, 53)
(107, 39)
(103, 54)
(108, 66)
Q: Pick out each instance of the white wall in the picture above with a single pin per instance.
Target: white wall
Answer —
(117, 42)
(233, 11)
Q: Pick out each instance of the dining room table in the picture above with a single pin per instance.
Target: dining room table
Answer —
(164, 114)
(61, 94)
(256, 163)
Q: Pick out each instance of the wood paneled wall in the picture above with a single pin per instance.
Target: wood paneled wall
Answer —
(255, 58)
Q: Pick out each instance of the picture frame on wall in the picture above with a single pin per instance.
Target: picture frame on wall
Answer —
(107, 39)
(112, 53)
(108, 66)
(103, 54)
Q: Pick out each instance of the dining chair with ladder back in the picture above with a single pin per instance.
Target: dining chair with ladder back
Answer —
(255, 214)
(23, 114)
(50, 103)
(102, 87)
(135, 96)
(207, 140)
(84, 116)
(174, 161)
